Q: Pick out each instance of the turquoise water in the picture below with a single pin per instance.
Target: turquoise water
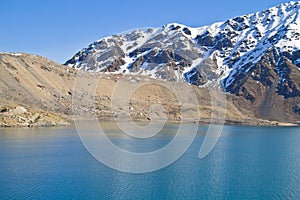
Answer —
(246, 163)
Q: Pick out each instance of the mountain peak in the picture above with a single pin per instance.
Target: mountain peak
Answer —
(218, 55)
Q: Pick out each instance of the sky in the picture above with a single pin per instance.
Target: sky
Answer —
(57, 29)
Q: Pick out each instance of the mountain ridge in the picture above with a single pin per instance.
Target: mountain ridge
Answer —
(254, 56)
(199, 56)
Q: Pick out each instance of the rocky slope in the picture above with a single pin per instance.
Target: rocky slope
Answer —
(35, 91)
(255, 56)
(37, 87)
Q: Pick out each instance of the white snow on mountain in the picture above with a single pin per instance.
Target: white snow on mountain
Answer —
(201, 56)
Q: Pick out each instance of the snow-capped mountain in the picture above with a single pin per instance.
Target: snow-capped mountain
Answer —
(261, 49)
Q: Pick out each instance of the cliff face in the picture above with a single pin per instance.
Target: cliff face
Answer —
(270, 87)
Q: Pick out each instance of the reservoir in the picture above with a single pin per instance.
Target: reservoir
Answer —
(246, 163)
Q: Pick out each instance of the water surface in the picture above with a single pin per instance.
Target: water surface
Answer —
(246, 163)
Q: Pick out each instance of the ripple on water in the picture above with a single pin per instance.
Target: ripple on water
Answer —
(246, 163)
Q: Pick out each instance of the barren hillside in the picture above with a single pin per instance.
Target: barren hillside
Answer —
(35, 91)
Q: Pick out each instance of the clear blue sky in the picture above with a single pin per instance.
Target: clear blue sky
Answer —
(57, 29)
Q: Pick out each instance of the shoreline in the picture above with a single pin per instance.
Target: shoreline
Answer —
(201, 122)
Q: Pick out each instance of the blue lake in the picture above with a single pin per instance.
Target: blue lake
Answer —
(246, 163)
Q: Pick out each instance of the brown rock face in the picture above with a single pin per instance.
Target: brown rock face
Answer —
(271, 88)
